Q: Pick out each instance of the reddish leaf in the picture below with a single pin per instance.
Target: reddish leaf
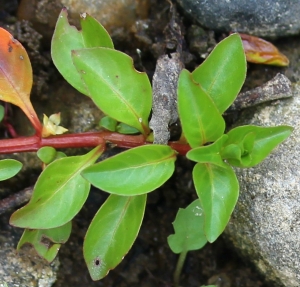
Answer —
(16, 76)
(260, 51)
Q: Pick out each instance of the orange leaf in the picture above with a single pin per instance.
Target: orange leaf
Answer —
(16, 76)
(260, 51)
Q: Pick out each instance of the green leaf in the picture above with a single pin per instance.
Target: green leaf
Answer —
(108, 123)
(218, 189)
(133, 172)
(223, 73)
(240, 152)
(46, 154)
(255, 142)
(200, 119)
(231, 151)
(112, 233)
(209, 153)
(93, 33)
(46, 241)
(125, 129)
(119, 90)
(9, 168)
(189, 229)
(67, 38)
(58, 195)
(2, 112)
(60, 154)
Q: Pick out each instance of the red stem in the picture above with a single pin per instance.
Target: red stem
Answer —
(89, 139)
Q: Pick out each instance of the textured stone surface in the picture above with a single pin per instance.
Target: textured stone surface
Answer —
(24, 268)
(114, 15)
(268, 18)
(265, 225)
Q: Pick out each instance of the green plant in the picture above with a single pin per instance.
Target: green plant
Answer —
(189, 234)
(1, 113)
(92, 65)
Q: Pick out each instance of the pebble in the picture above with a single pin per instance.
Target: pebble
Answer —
(268, 18)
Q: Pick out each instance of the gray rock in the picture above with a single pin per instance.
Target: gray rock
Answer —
(268, 18)
(24, 268)
(265, 225)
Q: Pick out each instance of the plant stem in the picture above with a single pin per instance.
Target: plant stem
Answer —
(89, 139)
(180, 262)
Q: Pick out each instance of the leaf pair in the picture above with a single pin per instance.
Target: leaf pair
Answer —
(61, 191)
(209, 90)
(215, 181)
(107, 76)
(128, 176)
(203, 96)
(247, 146)
(58, 195)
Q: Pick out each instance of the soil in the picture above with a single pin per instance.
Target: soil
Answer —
(150, 262)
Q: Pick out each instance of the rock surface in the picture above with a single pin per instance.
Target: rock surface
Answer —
(116, 16)
(265, 225)
(24, 268)
(266, 18)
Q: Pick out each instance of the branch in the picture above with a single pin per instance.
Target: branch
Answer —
(81, 140)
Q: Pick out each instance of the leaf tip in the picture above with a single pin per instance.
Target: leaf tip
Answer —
(83, 15)
(64, 10)
(97, 268)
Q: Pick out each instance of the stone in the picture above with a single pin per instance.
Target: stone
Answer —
(268, 18)
(265, 226)
(116, 16)
(23, 268)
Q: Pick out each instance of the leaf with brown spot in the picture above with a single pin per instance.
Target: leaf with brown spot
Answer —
(260, 51)
(112, 233)
(16, 76)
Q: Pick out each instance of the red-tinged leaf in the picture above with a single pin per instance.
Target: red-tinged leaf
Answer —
(260, 51)
(16, 76)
